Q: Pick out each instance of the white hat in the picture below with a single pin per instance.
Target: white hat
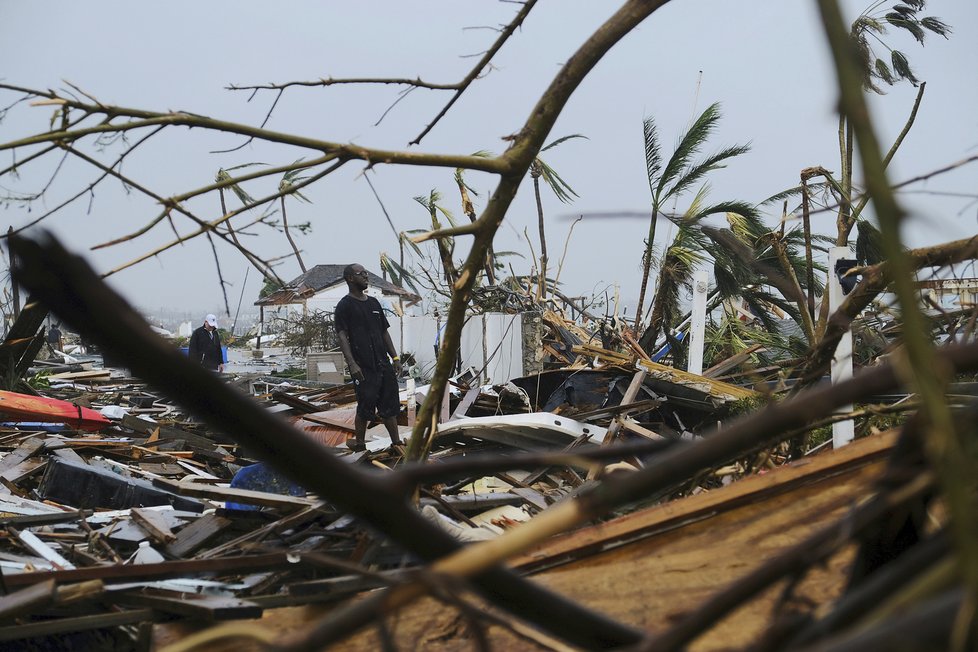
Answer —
(211, 319)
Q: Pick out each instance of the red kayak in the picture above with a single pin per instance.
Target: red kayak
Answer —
(24, 407)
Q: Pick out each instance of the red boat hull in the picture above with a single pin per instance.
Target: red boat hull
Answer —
(24, 407)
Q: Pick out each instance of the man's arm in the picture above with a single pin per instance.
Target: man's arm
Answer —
(220, 351)
(392, 352)
(347, 350)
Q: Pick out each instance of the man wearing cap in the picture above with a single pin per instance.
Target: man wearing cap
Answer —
(205, 345)
(370, 355)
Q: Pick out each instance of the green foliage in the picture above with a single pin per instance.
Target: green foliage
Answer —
(223, 175)
(397, 274)
(39, 380)
(669, 181)
(314, 331)
(291, 178)
(867, 33)
(560, 188)
(270, 286)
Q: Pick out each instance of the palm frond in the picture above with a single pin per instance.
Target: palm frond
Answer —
(882, 72)
(398, 275)
(405, 238)
(653, 153)
(902, 67)
(869, 243)
(561, 140)
(504, 254)
(447, 214)
(291, 178)
(780, 197)
(727, 283)
(936, 25)
(866, 23)
(559, 187)
(744, 220)
(241, 193)
(905, 10)
(247, 165)
(901, 22)
(693, 212)
(689, 145)
(694, 173)
(291, 175)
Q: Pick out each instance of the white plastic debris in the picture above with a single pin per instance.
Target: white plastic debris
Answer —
(114, 411)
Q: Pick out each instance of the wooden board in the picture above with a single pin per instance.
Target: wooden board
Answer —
(197, 534)
(243, 496)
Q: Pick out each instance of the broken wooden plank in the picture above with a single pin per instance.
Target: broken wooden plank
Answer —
(22, 471)
(27, 600)
(153, 523)
(32, 520)
(716, 388)
(244, 496)
(93, 374)
(292, 520)
(532, 496)
(631, 393)
(21, 453)
(198, 606)
(41, 549)
(724, 366)
(326, 420)
(297, 403)
(118, 573)
(81, 623)
(632, 426)
(466, 403)
(166, 433)
(196, 535)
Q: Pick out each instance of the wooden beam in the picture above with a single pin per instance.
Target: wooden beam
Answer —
(161, 570)
(81, 623)
(193, 605)
(244, 496)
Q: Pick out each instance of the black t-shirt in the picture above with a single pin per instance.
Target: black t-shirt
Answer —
(365, 324)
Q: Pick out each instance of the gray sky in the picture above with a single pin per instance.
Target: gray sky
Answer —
(765, 61)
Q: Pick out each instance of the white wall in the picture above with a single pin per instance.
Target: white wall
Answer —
(493, 341)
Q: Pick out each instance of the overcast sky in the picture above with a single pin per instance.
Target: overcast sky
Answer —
(765, 61)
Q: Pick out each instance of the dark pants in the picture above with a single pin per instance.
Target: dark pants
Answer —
(377, 393)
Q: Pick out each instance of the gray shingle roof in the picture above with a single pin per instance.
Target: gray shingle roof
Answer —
(321, 277)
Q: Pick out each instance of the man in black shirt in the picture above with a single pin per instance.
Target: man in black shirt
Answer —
(205, 345)
(370, 355)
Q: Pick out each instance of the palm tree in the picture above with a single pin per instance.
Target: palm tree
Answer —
(680, 173)
(446, 246)
(564, 192)
(690, 248)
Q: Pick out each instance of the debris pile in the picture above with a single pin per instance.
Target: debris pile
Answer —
(132, 515)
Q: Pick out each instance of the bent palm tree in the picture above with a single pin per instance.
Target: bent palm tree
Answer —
(680, 173)
(689, 248)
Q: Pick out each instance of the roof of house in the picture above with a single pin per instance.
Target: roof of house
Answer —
(322, 277)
